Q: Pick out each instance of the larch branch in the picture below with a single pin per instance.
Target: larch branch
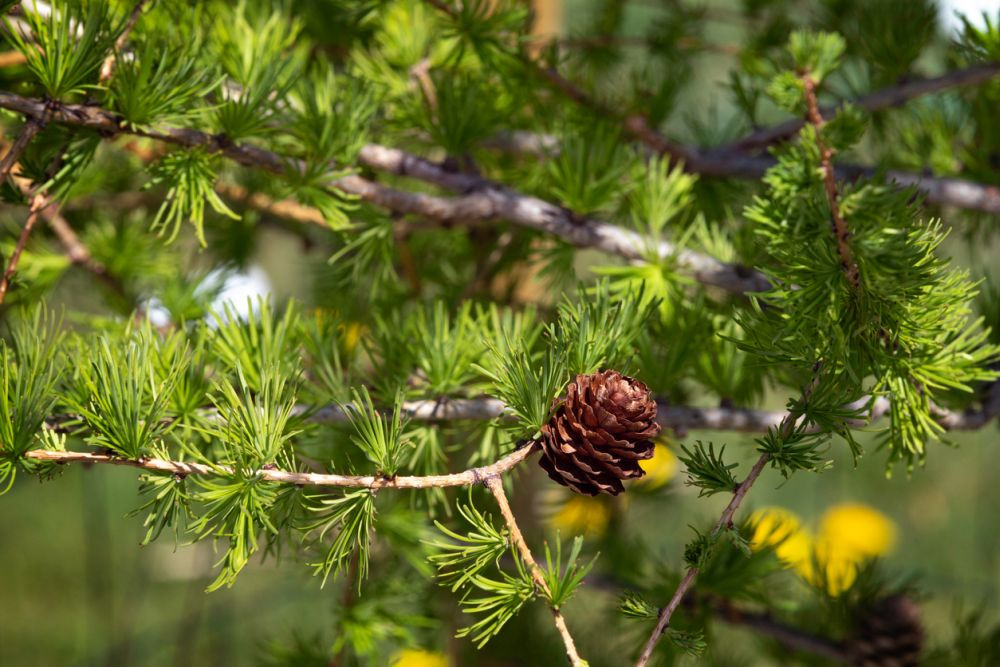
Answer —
(689, 577)
(878, 100)
(789, 637)
(840, 229)
(490, 201)
(495, 485)
(38, 202)
(787, 426)
(185, 468)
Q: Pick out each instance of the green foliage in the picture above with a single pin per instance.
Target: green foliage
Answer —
(662, 196)
(465, 563)
(597, 331)
(189, 176)
(586, 175)
(261, 341)
(981, 43)
(254, 427)
(526, 386)
(118, 396)
(467, 555)
(563, 581)
(692, 643)
(168, 506)
(707, 470)
(237, 511)
(379, 436)
(29, 373)
(352, 515)
(499, 600)
(634, 606)
(162, 85)
(67, 46)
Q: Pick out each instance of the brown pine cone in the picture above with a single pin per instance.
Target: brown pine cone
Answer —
(889, 634)
(599, 433)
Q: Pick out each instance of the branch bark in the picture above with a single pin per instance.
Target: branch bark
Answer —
(489, 201)
(38, 202)
(789, 637)
(893, 96)
(840, 229)
(786, 428)
(689, 577)
(184, 468)
(495, 485)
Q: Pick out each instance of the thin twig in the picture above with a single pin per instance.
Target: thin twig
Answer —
(38, 201)
(184, 468)
(495, 485)
(788, 426)
(108, 66)
(840, 230)
(893, 96)
(31, 128)
(689, 577)
(789, 637)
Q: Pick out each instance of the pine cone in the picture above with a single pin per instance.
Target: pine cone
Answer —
(599, 433)
(889, 634)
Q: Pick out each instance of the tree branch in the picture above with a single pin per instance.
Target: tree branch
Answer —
(108, 66)
(31, 128)
(689, 577)
(840, 230)
(786, 428)
(184, 468)
(490, 201)
(38, 202)
(893, 96)
(789, 637)
(495, 485)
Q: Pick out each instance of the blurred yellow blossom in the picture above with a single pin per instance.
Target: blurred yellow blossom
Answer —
(832, 567)
(782, 529)
(857, 530)
(415, 657)
(582, 515)
(660, 469)
(352, 334)
(849, 534)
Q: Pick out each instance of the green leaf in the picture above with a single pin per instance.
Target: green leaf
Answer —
(466, 555)
(633, 605)
(29, 372)
(352, 516)
(67, 46)
(119, 397)
(562, 581)
(189, 175)
(379, 436)
(708, 471)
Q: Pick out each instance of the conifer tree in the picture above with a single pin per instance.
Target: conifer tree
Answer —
(513, 251)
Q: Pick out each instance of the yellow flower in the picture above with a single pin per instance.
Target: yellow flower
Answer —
(837, 568)
(415, 657)
(660, 469)
(780, 528)
(857, 530)
(582, 515)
